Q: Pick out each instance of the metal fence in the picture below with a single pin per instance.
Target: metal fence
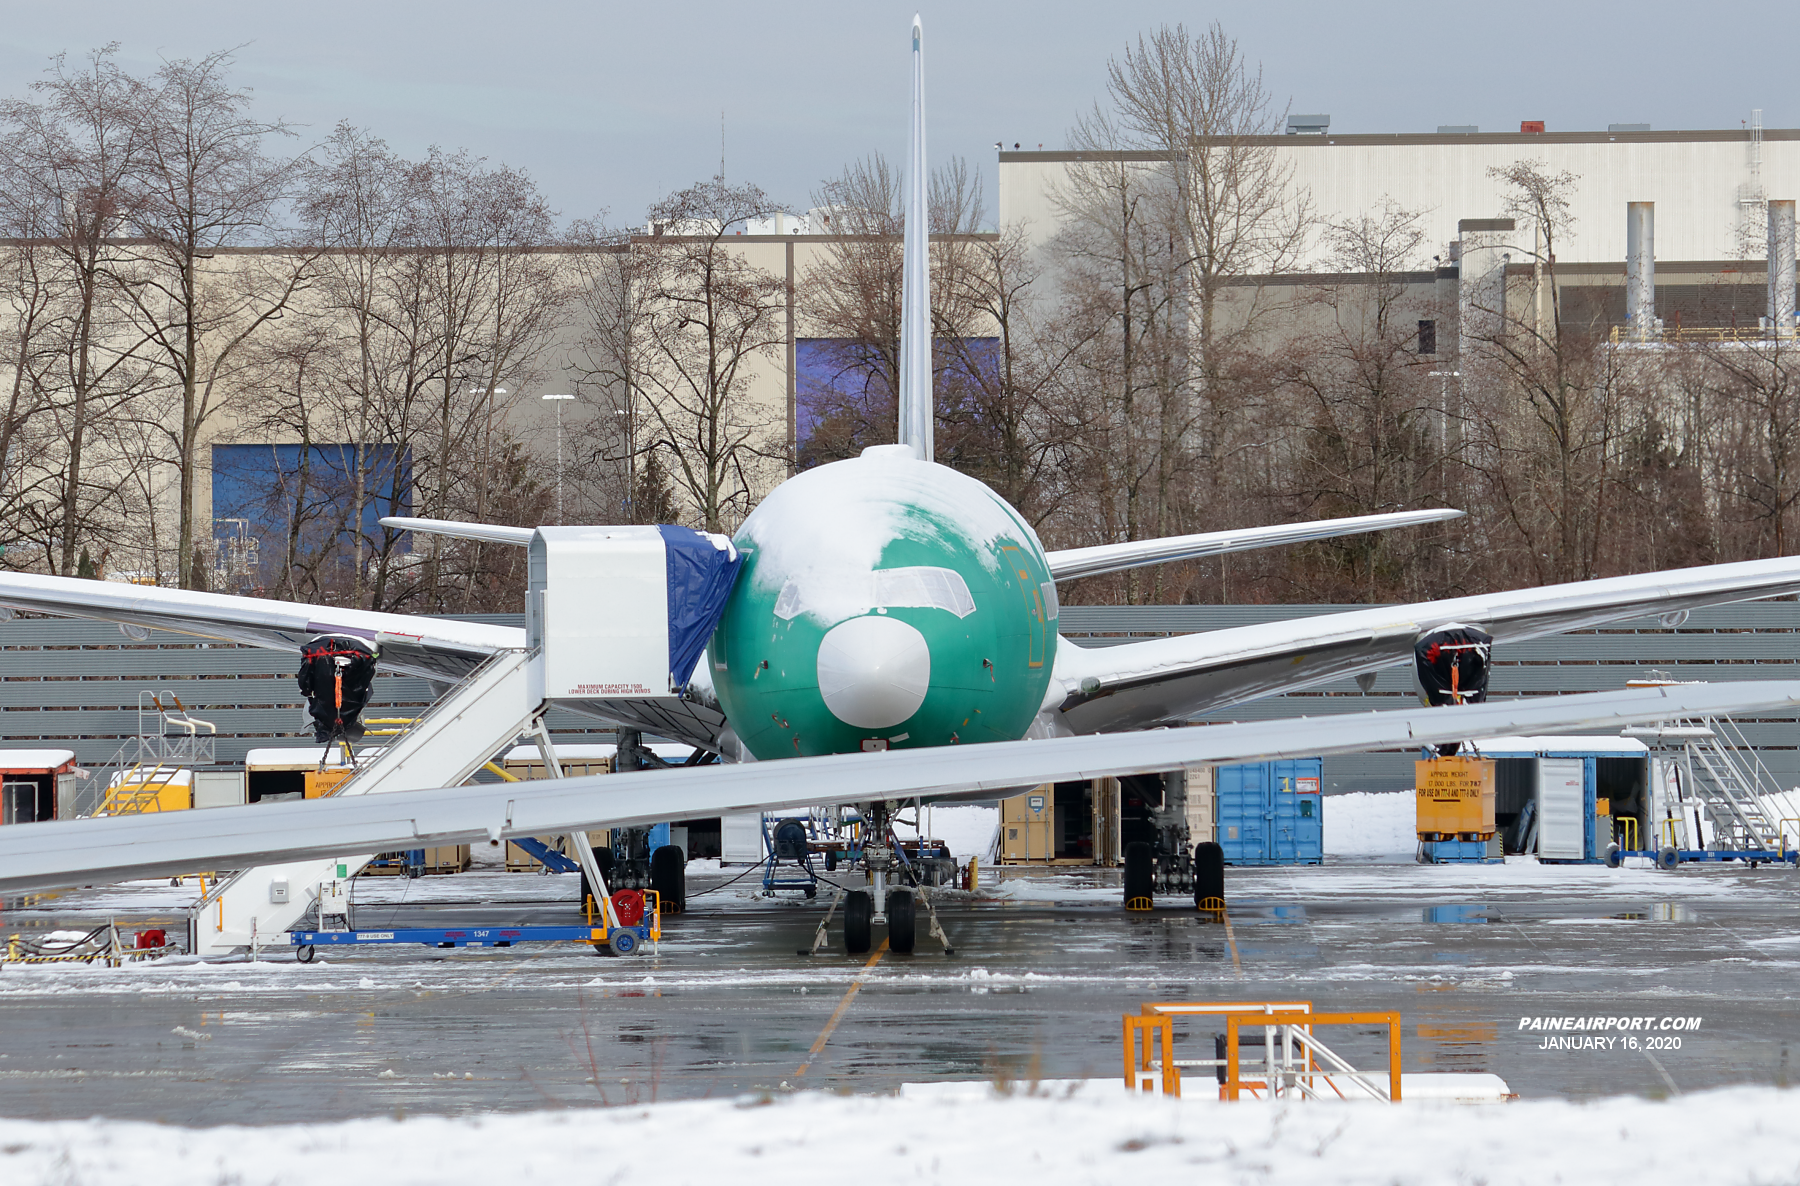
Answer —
(1753, 640)
(71, 684)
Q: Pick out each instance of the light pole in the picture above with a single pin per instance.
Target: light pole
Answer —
(559, 399)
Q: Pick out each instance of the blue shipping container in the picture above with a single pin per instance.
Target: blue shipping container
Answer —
(1271, 813)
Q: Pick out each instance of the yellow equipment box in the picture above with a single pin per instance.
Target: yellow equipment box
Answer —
(1456, 795)
(323, 783)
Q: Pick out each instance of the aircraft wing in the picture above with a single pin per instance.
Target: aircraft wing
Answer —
(77, 852)
(488, 533)
(1069, 563)
(436, 648)
(1168, 680)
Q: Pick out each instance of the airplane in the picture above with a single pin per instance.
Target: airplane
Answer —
(888, 634)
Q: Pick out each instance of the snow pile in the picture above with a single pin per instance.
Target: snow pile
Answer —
(1378, 824)
(1095, 1135)
(968, 830)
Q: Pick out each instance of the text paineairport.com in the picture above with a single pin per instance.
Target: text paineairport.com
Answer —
(1603, 1024)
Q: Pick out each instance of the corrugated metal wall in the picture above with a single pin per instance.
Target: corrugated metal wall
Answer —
(1754, 640)
(72, 684)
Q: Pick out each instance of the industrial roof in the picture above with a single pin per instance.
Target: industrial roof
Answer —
(35, 761)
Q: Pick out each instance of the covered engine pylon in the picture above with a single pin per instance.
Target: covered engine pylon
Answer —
(1452, 663)
(336, 674)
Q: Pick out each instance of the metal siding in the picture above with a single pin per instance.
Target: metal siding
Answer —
(1749, 640)
(75, 683)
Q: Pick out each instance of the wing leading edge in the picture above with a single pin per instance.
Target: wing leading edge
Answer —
(436, 648)
(40, 856)
(1069, 563)
(1165, 680)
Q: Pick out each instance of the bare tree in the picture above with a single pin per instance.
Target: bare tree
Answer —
(72, 160)
(204, 184)
(707, 315)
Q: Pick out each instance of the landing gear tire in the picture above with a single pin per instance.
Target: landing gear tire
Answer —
(1209, 874)
(1140, 876)
(902, 921)
(859, 921)
(668, 877)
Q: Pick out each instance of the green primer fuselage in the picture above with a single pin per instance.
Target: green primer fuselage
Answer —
(811, 553)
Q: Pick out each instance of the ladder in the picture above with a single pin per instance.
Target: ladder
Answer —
(133, 780)
(456, 736)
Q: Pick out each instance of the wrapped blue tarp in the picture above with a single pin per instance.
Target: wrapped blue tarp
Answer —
(701, 571)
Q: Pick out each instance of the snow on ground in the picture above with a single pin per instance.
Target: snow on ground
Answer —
(1371, 824)
(1097, 1134)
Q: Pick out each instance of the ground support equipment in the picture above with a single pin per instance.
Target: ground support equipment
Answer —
(789, 842)
(1294, 1063)
(1669, 856)
(601, 935)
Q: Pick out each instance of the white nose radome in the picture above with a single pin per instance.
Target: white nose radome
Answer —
(873, 671)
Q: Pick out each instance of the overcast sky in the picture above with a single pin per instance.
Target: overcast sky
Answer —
(610, 105)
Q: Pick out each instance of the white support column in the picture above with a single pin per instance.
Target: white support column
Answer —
(1781, 268)
(1640, 269)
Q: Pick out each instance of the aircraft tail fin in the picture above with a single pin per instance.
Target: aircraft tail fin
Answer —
(916, 411)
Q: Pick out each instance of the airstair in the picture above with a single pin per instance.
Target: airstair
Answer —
(453, 739)
(134, 780)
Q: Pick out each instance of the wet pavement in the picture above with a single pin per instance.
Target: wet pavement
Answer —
(1042, 970)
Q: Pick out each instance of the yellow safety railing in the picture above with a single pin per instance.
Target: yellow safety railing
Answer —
(1666, 830)
(1628, 828)
(1150, 1035)
(1781, 826)
(1699, 333)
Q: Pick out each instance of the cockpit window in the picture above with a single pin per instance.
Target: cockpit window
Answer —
(923, 588)
(896, 588)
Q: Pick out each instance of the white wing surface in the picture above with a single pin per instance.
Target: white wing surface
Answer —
(1167, 680)
(435, 648)
(1069, 563)
(487, 533)
(39, 856)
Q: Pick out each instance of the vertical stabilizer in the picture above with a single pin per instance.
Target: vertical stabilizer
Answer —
(915, 290)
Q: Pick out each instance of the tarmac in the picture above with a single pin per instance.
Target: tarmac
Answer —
(1042, 969)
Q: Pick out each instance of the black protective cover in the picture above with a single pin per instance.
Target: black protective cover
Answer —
(1453, 665)
(336, 707)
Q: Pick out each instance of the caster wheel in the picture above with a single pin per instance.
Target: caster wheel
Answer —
(304, 954)
(622, 942)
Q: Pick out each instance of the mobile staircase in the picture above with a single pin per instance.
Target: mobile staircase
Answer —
(169, 740)
(1710, 796)
(458, 735)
